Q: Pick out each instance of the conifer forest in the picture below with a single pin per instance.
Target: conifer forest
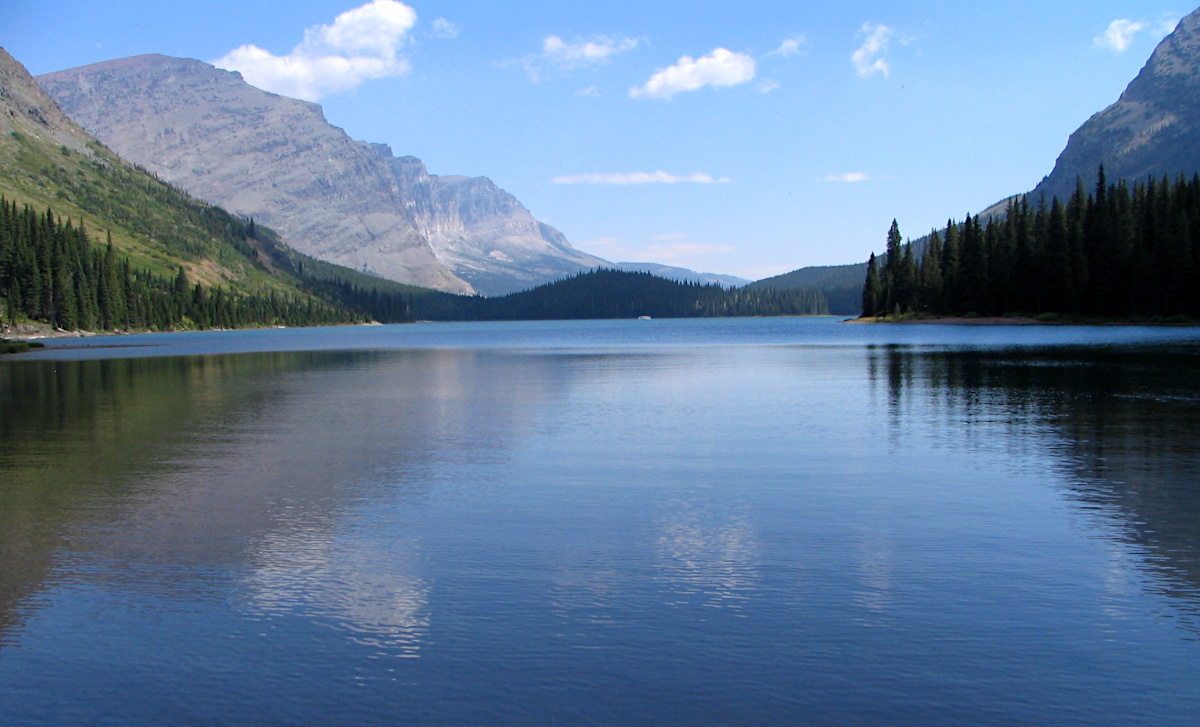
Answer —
(1116, 253)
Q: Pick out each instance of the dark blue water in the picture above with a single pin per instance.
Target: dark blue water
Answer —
(777, 521)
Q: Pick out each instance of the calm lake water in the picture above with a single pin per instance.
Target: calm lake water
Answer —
(775, 521)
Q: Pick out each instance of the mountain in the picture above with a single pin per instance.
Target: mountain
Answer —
(608, 293)
(279, 161)
(1152, 130)
(840, 284)
(48, 161)
(483, 233)
(831, 276)
(682, 275)
(174, 261)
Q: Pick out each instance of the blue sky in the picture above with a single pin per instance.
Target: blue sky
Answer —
(700, 134)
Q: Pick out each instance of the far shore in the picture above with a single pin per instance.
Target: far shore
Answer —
(1019, 321)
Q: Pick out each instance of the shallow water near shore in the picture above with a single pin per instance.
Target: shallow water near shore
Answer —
(766, 521)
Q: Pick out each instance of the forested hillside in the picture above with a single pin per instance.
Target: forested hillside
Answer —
(50, 271)
(840, 284)
(1118, 252)
(617, 294)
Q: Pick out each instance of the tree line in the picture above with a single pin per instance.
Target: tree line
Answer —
(1117, 252)
(51, 271)
(606, 293)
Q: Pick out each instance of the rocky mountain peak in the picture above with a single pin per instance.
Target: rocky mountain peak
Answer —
(1177, 57)
(1152, 130)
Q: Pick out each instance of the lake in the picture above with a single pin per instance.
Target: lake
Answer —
(764, 521)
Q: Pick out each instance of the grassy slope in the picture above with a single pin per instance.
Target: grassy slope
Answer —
(156, 226)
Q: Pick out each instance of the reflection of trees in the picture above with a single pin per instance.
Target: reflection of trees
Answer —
(207, 462)
(1127, 419)
(75, 432)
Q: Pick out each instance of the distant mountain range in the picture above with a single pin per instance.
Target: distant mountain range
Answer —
(682, 275)
(278, 160)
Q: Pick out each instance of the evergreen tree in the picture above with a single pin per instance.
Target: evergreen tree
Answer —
(870, 297)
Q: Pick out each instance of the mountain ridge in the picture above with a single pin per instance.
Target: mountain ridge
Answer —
(1152, 130)
(172, 117)
(279, 160)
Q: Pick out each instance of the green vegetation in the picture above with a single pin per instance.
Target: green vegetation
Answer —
(51, 272)
(1114, 254)
(7, 346)
(607, 293)
(840, 284)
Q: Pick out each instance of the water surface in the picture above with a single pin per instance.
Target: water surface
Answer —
(771, 521)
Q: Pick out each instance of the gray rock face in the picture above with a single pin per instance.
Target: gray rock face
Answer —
(483, 233)
(1152, 130)
(255, 153)
(277, 159)
(25, 108)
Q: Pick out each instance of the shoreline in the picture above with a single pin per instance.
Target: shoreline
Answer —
(1019, 321)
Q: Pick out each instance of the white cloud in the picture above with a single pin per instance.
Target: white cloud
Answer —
(670, 251)
(641, 178)
(721, 68)
(791, 47)
(1119, 35)
(443, 28)
(359, 45)
(868, 58)
(599, 50)
(768, 85)
(1166, 26)
(559, 55)
(849, 177)
(589, 92)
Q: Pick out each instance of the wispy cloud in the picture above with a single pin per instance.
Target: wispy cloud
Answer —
(849, 177)
(1166, 26)
(720, 68)
(361, 44)
(557, 55)
(768, 85)
(1119, 35)
(642, 178)
(443, 28)
(670, 250)
(589, 92)
(791, 47)
(868, 59)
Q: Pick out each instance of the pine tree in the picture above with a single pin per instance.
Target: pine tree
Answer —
(870, 297)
